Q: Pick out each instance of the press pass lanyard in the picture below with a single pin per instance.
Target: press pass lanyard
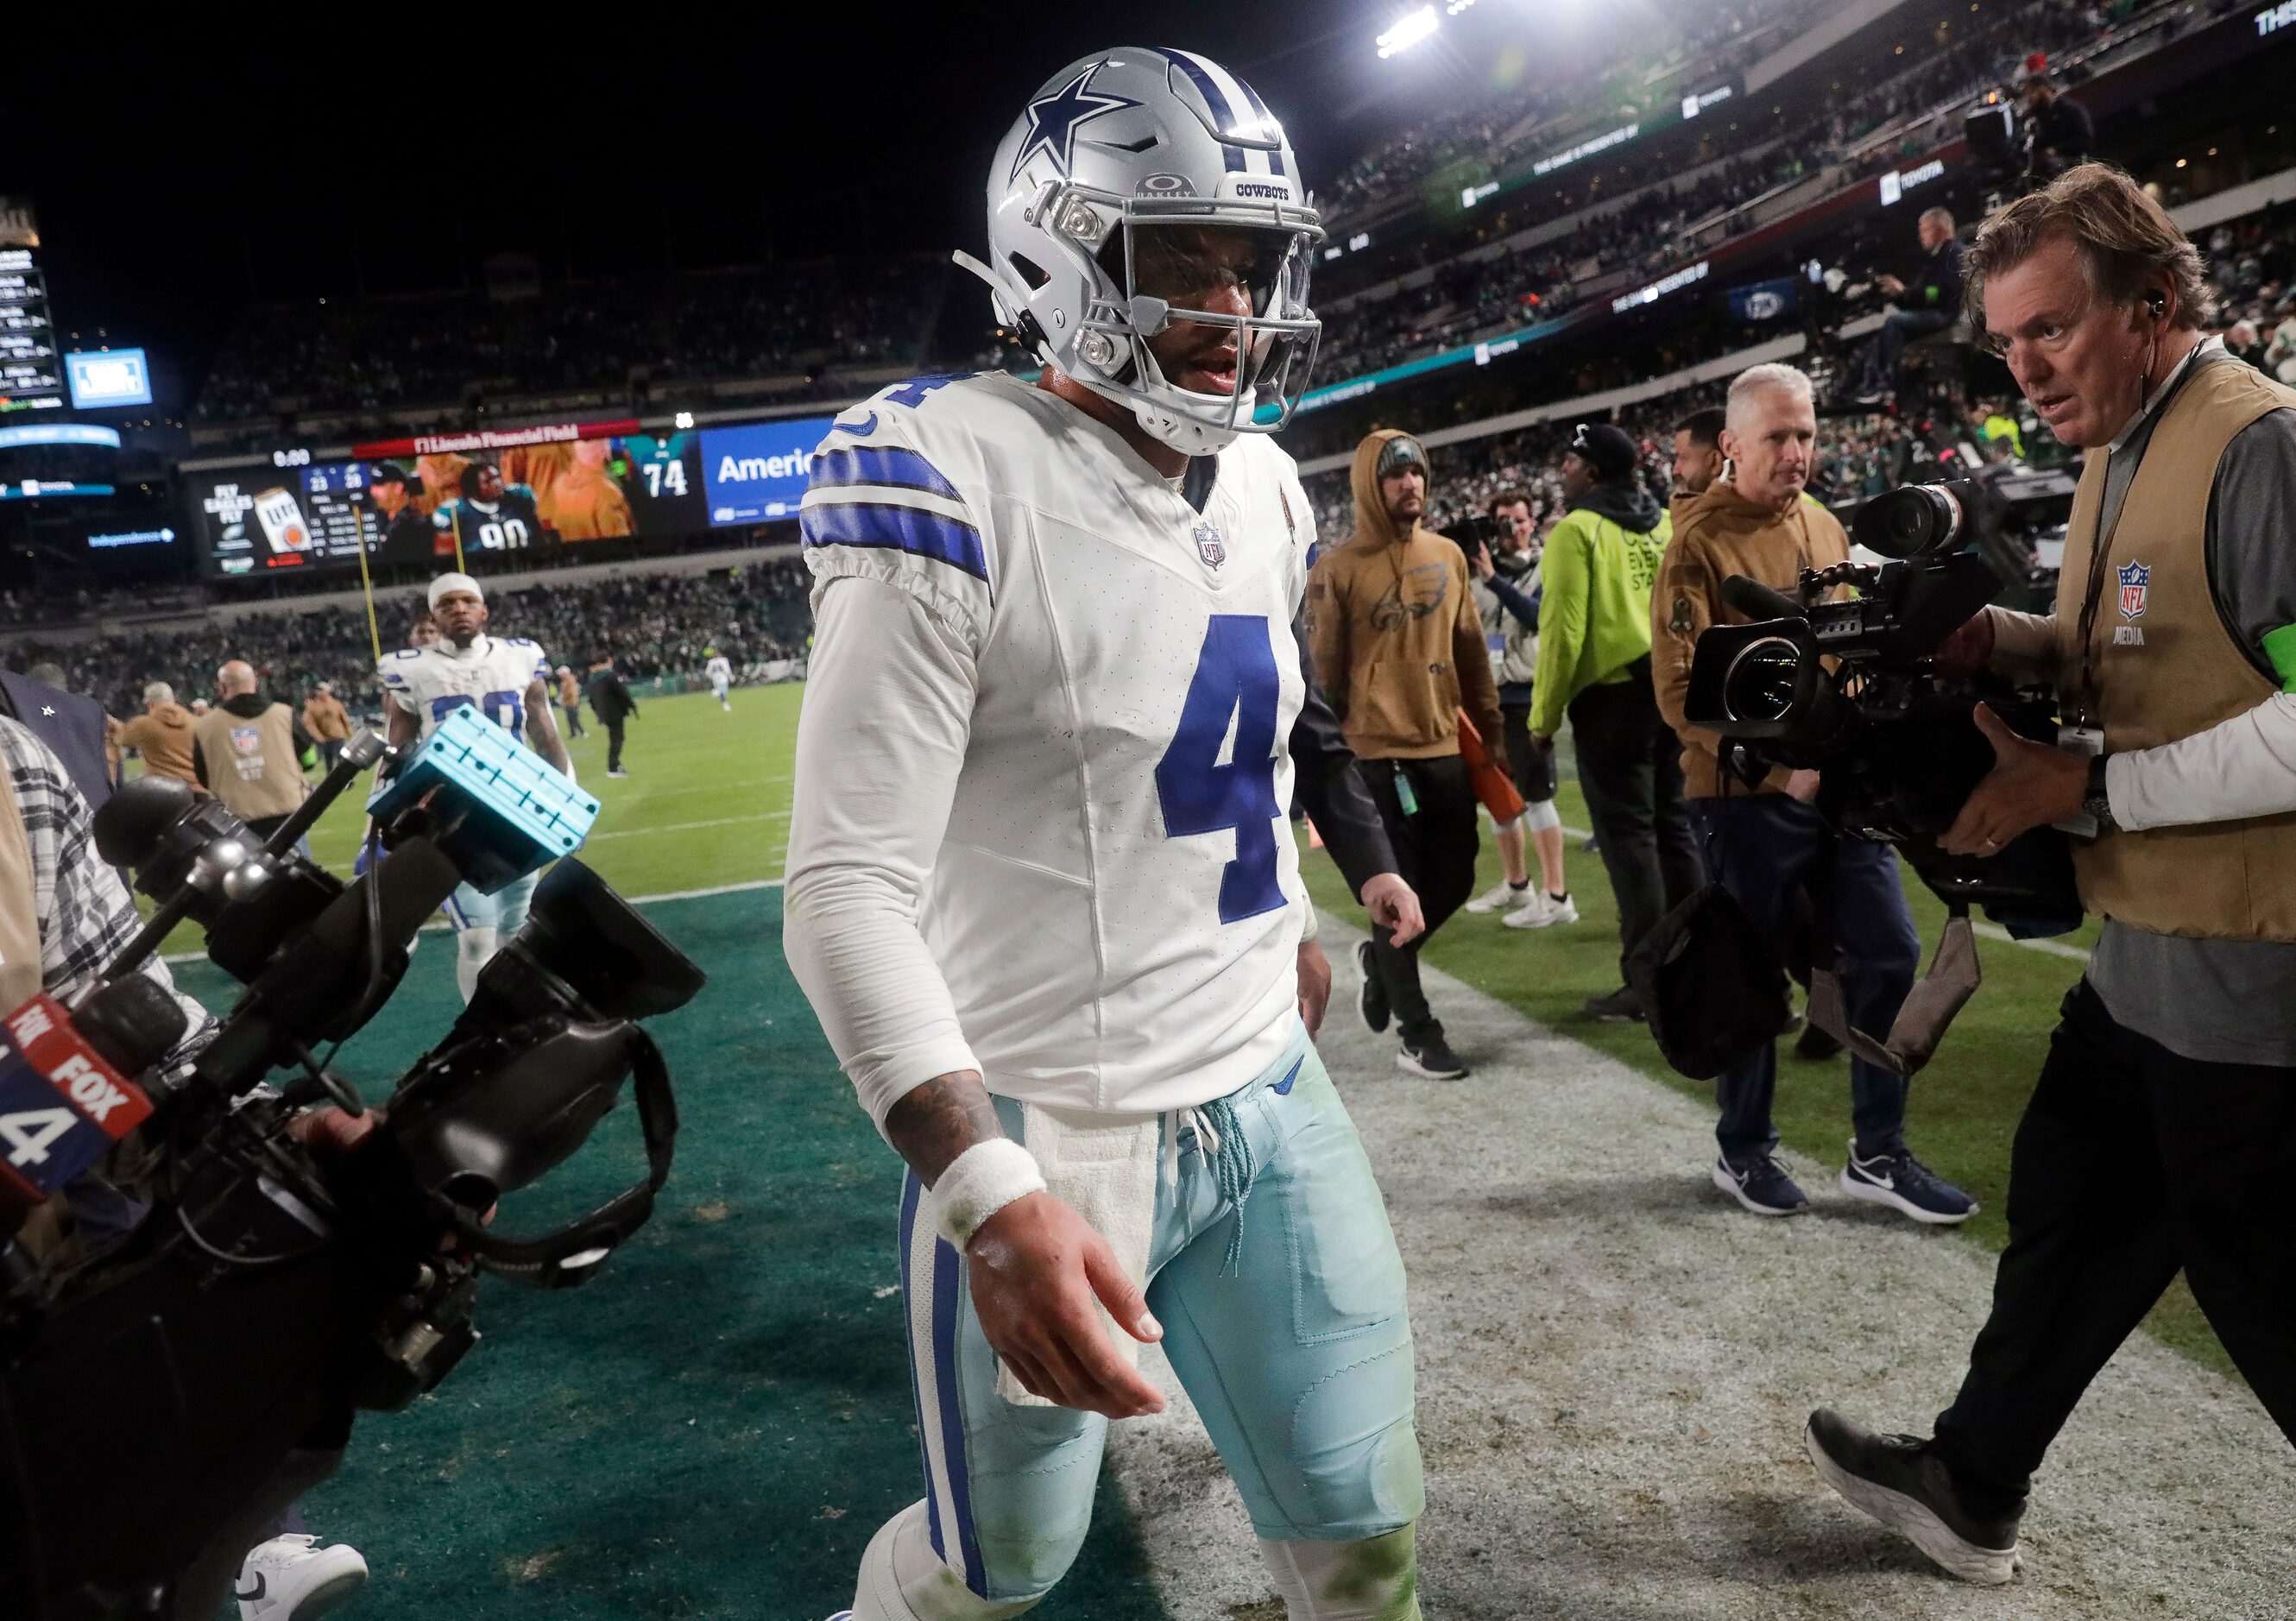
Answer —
(2092, 603)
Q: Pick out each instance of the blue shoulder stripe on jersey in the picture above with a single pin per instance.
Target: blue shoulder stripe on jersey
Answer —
(886, 464)
(896, 528)
(1222, 109)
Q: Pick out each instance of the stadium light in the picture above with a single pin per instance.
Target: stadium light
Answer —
(1407, 32)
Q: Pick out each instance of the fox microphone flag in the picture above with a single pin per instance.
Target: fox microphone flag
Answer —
(63, 1105)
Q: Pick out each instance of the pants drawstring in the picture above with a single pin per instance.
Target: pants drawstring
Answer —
(1220, 1139)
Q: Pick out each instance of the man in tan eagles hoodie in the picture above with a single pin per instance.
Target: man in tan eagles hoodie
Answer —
(1398, 649)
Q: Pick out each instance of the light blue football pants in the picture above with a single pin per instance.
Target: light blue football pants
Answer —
(504, 911)
(1297, 1354)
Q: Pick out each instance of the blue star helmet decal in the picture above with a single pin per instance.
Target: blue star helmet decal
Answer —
(1053, 120)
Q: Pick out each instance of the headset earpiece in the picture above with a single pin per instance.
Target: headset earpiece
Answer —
(2158, 303)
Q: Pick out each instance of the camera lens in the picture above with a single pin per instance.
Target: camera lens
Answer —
(1761, 681)
(1915, 521)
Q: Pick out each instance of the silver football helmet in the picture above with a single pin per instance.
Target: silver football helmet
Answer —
(1139, 185)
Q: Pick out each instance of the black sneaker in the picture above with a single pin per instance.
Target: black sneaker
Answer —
(1815, 1046)
(1371, 996)
(1617, 1007)
(1431, 1056)
(1900, 1482)
(1760, 1183)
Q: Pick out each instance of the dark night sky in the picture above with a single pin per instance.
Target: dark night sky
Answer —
(179, 165)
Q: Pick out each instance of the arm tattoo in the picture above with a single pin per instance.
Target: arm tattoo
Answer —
(930, 1126)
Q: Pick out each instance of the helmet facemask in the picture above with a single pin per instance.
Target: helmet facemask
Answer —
(1188, 276)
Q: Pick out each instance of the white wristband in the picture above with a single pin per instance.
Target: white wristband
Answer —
(980, 1182)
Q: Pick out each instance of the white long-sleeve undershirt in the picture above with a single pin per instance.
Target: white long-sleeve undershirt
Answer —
(881, 742)
(2239, 767)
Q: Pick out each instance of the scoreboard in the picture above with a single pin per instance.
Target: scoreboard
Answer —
(31, 376)
(409, 500)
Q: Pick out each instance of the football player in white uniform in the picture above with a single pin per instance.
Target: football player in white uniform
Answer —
(507, 678)
(1042, 890)
(720, 671)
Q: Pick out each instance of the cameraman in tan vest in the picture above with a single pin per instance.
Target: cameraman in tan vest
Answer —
(2162, 1131)
(249, 752)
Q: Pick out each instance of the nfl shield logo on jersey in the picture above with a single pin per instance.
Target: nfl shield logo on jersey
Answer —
(1209, 546)
(2136, 581)
(247, 740)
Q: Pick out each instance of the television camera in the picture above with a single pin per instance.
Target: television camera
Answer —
(156, 1378)
(1846, 684)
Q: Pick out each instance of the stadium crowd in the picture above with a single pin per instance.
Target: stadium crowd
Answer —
(1466, 301)
(338, 354)
(649, 625)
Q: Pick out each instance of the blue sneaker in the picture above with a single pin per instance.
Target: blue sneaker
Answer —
(1760, 1183)
(1904, 1183)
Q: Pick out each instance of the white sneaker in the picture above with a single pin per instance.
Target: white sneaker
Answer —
(292, 1578)
(1501, 894)
(1542, 910)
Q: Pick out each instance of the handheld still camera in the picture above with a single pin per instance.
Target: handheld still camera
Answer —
(1847, 687)
(154, 1378)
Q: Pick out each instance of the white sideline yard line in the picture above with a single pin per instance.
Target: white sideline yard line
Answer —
(684, 827)
(635, 900)
(1614, 1364)
(1991, 931)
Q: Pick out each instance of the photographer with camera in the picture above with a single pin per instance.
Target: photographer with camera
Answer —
(2163, 1128)
(2059, 133)
(1506, 588)
(64, 916)
(1927, 305)
(1769, 845)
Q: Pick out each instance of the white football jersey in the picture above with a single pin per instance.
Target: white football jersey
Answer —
(1114, 899)
(493, 673)
(720, 672)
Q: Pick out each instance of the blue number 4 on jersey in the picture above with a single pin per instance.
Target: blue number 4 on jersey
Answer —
(1235, 679)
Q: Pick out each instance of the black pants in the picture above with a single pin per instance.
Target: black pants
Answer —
(573, 720)
(1889, 343)
(1630, 769)
(1435, 852)
(331, 750)
(2130, 1163)
(1532, 768)
(614, 743)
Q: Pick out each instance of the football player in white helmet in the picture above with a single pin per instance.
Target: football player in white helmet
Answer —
(720, 671)
(1042, 890)
(507, 679)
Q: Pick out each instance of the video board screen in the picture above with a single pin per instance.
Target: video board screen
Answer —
(31, 378)
(757, 472)
(418, 501)
(107, 378)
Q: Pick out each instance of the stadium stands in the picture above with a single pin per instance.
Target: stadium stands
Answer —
(1647, 207)
(408, 363)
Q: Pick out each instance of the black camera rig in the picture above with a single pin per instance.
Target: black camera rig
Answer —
(152, 1380)
(1846, 685)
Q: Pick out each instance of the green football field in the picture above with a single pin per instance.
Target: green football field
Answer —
(715, 1426)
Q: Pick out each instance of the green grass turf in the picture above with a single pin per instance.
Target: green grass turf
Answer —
(716, 1425)
(1964, 1108)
